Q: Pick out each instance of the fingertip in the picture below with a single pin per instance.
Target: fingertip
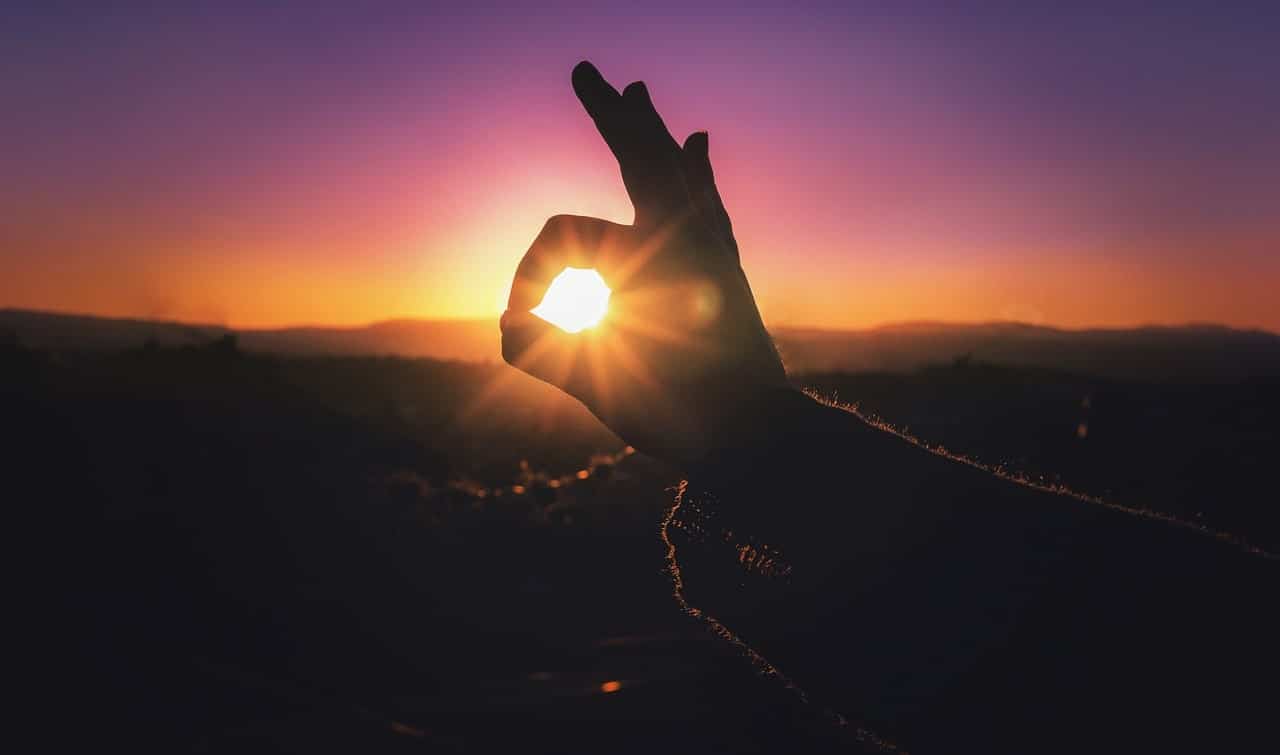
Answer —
(520, 331)
(541, 349)
(636, 90)
(696, 143)
(584, 71)
(509, 320)
(697, 163)
(591, 87)
(525, 325)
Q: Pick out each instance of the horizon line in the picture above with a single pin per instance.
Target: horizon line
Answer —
(1185, 325)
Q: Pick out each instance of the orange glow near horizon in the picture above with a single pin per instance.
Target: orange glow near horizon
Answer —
(1062, 288)
(873, 175)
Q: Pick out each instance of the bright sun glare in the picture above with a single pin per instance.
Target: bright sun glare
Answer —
(576, 300)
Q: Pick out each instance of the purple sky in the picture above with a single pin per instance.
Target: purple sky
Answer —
(279, 163)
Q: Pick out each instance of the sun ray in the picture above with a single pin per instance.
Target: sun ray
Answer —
(629, 361)
(624, 321)
(539, 349)
(638, 258)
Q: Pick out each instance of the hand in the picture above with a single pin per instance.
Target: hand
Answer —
(683, 353)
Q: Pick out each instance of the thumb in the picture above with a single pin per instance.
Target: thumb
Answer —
(538, 348)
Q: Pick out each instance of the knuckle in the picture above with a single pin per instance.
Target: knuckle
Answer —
(556, 225)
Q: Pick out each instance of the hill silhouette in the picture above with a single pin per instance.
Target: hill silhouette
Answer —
(464, 340)
(1191, 353)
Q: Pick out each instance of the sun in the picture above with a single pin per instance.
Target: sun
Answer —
(577, 299)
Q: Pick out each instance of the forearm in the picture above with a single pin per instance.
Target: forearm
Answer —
(840, 507)
(896, 580)
(798, 471)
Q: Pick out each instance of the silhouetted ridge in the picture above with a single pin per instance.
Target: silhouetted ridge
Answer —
(1196, 352)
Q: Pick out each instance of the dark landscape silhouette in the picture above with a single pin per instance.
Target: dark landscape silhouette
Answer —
(1192, 353)
(243, 549)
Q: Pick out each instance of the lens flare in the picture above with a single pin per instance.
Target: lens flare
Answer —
(577, 299)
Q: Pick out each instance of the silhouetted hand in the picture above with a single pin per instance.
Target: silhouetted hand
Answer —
(932, 601)
(683, 352)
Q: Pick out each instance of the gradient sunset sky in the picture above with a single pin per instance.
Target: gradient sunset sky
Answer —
(265, 164)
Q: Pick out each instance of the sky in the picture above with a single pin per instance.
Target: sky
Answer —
(273, 163)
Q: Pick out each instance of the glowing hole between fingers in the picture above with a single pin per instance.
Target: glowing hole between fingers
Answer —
(577, 299)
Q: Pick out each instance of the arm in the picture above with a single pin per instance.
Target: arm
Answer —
(936, 602)
(946, 608)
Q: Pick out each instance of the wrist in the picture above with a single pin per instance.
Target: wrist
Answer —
(775, 429)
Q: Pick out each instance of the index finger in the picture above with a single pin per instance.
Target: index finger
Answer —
(601, 101)
(646, 153)
(565, 241)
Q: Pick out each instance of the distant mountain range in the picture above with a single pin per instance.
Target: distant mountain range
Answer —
(1180, 353)
(1183, 353)
(465, 340)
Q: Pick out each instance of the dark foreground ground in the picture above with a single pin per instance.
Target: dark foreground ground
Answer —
(216, 551)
